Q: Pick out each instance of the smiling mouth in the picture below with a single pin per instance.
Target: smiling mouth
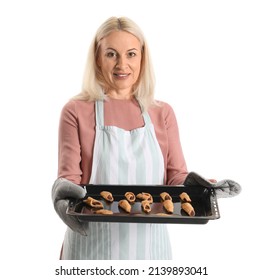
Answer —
(121, 75)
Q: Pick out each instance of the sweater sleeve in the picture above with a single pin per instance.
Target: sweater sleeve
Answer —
(176, 166)
(69, 155)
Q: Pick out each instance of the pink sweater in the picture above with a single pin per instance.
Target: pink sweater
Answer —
(77, 135)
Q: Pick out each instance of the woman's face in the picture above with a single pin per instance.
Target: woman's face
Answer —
(119, 59)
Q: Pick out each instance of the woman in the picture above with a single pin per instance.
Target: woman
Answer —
(114, 132)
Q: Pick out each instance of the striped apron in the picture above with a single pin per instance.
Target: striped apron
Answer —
(122, 157)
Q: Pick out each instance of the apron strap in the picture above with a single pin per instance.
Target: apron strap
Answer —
(100, 112)
(146, 118)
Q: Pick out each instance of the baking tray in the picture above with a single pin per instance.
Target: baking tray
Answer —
(203, 199)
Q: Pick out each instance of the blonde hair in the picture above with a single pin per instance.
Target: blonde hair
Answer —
(93, 83)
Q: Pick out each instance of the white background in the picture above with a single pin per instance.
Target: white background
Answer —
(207, 59)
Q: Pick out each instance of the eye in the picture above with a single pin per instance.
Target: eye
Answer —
(131, 54)
(111, 54)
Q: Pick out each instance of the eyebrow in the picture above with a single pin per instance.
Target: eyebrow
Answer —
(133, 49)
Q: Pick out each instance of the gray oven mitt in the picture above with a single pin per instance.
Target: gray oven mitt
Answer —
(62, 191)
(223, 188)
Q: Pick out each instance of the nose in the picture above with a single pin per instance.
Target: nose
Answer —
(121, 62)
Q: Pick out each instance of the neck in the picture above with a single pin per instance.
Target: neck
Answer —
(124, 95)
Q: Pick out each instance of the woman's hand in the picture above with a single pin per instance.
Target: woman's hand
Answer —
(62, 191)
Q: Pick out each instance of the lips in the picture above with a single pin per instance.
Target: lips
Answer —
(121, 75)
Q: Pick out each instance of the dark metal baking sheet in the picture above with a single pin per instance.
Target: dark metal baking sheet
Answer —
(203, 199)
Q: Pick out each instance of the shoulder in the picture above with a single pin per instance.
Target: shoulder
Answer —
(161, 108)
(163, 115)
(76, 107)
